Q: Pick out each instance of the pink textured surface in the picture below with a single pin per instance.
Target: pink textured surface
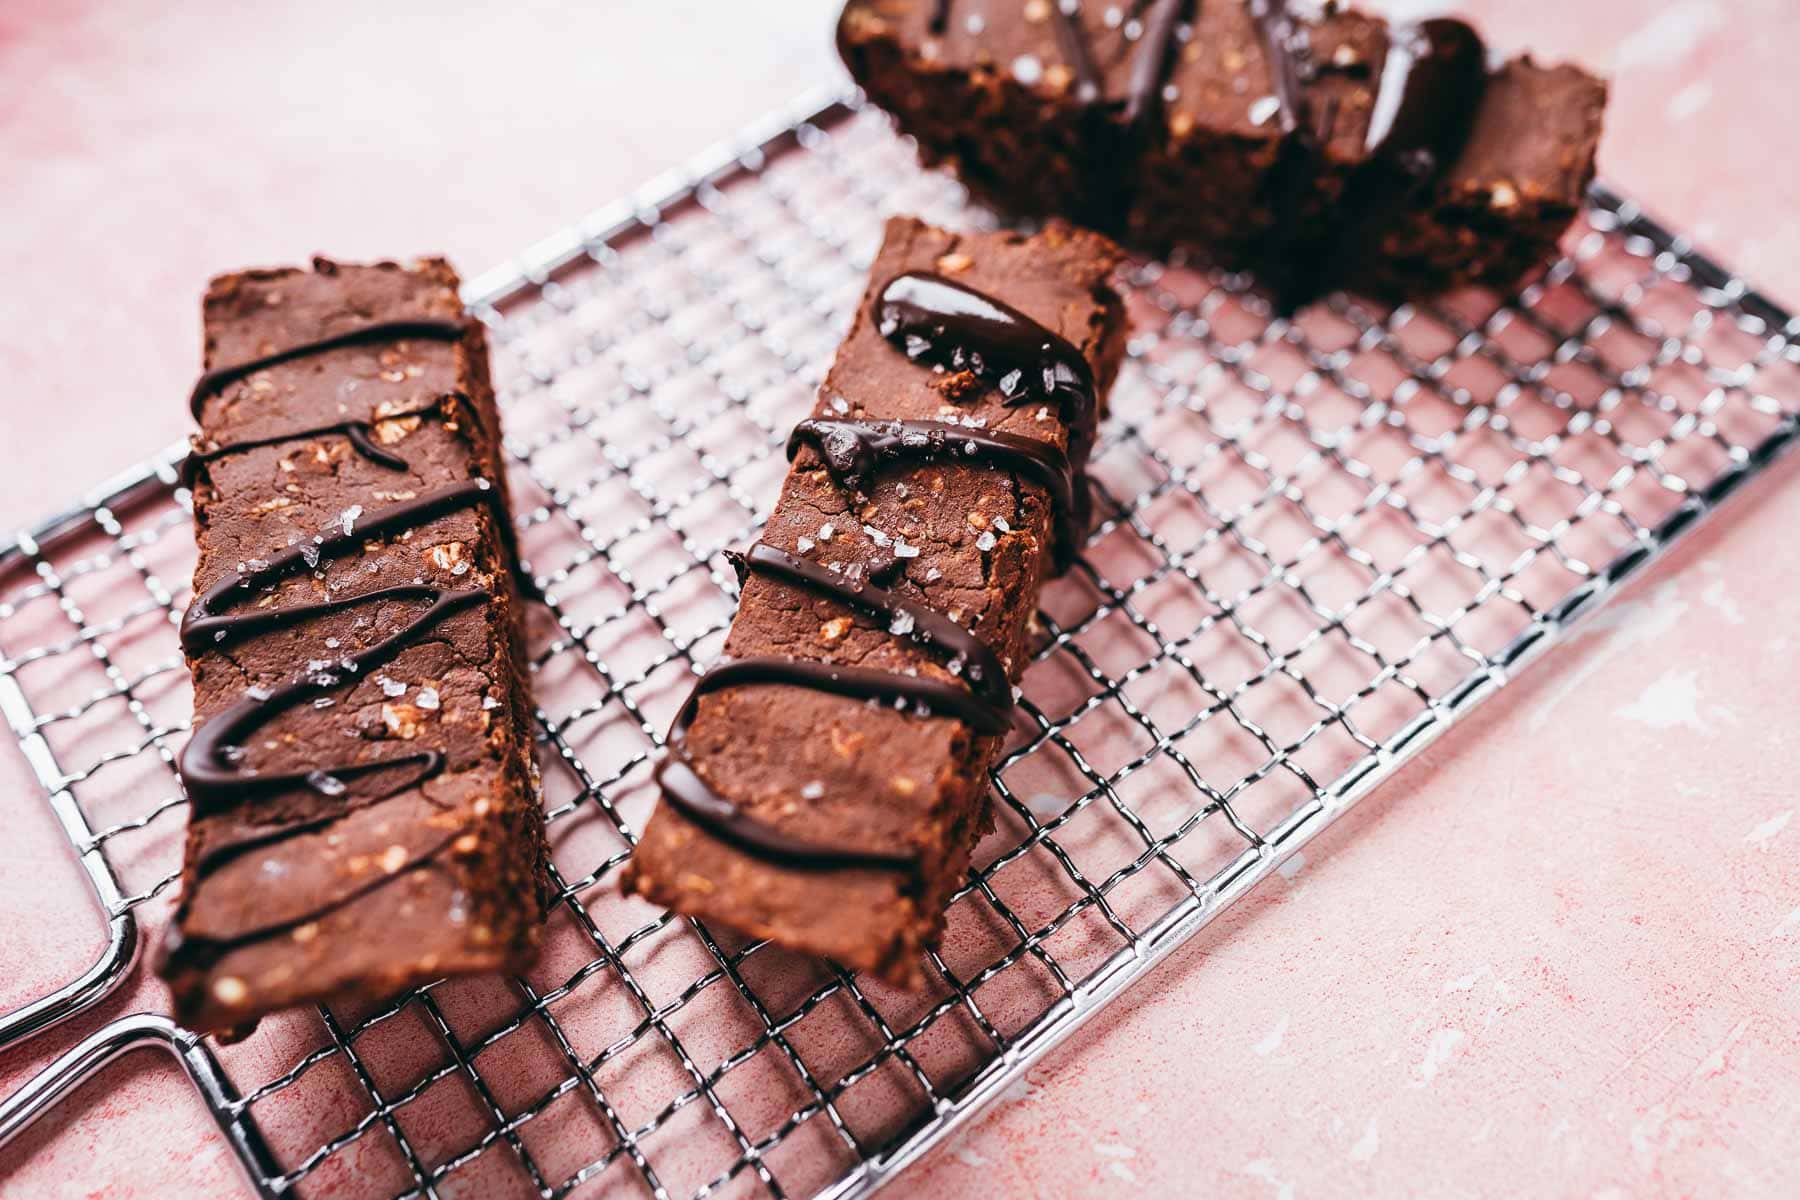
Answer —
(1559, 955)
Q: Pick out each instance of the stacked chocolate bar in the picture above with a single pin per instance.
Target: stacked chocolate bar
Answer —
(1322, 148)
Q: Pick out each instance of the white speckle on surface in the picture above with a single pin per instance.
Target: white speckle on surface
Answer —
(1763, 834)
(1263, 1169)
(1465, 982)
(1674, 32)
(1291, 865)
(1271, 1041)
(1689, 100)
(1020, 1089)
(1717, 598)
(1442, 1047)
(1670, 702)
(1027, 69)
(1367, 1144)
(1635, 623)
(976, 23)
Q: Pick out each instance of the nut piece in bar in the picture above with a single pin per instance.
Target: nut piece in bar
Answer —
(1318, 146)
(364, 811)
(826, 782)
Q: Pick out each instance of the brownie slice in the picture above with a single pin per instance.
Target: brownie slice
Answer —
(825, 768)
(1036, 108)
(356, 606)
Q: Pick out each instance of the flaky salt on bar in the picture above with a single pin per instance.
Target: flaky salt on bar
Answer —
(825, 787)
(363, 801)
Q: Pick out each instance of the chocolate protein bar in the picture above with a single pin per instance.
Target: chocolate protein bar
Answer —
(363, 800)
(1320, 146)
(827, 779)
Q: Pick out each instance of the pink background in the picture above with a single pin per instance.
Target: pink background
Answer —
(1559, 955)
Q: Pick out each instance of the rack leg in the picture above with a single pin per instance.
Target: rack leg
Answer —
(77, 994)
(41, 1094)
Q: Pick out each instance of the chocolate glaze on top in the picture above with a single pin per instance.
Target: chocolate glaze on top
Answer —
(853, 449)
(379, 331)
(985, 705)
(207, 764)
(1150, 65)
(939, 321)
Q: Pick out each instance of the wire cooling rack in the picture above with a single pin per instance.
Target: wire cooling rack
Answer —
(1320, 543)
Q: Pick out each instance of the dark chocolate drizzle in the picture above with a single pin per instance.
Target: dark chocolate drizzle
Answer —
(985, 705)
(357, 431)
(1074, 46)
(380, 331)
(205, 765)
(852, 450)
(1151, 66)
(939, 321)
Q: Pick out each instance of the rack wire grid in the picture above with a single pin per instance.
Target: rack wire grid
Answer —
(1320, 542)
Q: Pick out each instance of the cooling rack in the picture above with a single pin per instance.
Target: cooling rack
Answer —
(1320, 543)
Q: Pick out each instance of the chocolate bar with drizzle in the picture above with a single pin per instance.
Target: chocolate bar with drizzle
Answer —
(1317, 145)
(826, 778)
(363, 812)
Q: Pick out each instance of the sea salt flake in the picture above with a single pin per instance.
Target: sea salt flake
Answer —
(839, 405)
(902, 623)
(427, 698)
(826, 530)
(325, 784)
(804, 545)
(391, 688)
(324, 702)
(986, 541)
(1264, 110)
(255, 564)
(489, 703)
(902, 550)
(876, 536)
(1027, 69)
(310, 553)
(1001, 525)
(932, 575)
(813, 790)
(332, 643)
(348, 517)
(258, 694)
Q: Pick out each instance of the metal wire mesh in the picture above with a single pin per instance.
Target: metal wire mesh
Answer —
(1320, 542)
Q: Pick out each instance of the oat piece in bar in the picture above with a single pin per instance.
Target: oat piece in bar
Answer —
(928, 490)
(363, 800)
